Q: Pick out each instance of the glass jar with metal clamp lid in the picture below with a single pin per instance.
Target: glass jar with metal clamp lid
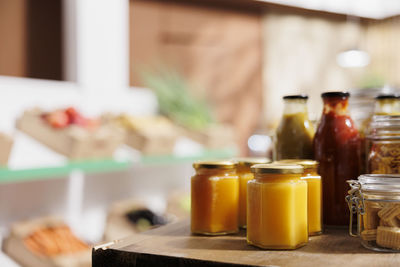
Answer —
(375, 200)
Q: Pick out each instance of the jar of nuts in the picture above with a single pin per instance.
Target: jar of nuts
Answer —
(375, 200)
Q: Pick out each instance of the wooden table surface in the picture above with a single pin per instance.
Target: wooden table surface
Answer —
(173, 245)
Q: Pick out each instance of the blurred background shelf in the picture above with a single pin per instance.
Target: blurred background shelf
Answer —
(8, 175)
(87, 166)
(206, 154)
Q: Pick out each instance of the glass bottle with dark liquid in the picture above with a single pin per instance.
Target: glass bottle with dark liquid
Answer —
(337, 148)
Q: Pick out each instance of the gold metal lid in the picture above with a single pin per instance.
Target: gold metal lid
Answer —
(249, 161)
(277, 168)
(306, 163)
(215, 164)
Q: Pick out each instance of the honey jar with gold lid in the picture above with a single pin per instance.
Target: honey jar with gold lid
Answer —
(277, 207)
(214, 198)
(245, 175)
(314, 187)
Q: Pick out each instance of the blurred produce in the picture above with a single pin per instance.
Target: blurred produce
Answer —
(51, 241)
(6, 143)
(188, 111)
(144, 219)
(372, 80)
(176, 101)
(60, 119)
(46, 242)
(129, 217)
(69, 133)
(154, 135)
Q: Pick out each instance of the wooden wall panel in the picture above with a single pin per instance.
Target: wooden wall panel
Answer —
(144, 21)
(13, 37)
(30, 38)
(44, 39)
(217, 50)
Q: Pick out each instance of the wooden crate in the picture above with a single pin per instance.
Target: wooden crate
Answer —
(6, 143)
(15, 248)
(74, 142)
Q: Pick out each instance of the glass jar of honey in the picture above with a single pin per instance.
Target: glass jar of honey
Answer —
(214, 198)
(375, 201)
(244, 172)
(314, 191)
(277, 207)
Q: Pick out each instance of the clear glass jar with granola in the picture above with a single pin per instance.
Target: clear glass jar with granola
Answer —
(375, 201)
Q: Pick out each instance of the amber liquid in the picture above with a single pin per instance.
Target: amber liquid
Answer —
(277, 211)
(214, 202)
(337, 148)
(244, 177)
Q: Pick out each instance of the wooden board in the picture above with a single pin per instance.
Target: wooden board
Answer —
(173, 245)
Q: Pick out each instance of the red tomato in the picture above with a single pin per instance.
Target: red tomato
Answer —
(57, 119)
(79, 120)
(72, 113)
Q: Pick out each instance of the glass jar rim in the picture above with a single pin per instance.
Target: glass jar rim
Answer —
(380, 182)
(387, 96)
(383, 118)
(306, 163)
(249, 161)
(384, 127)
(335, 94)
(215, 164)
(277, 168)
(292, 97)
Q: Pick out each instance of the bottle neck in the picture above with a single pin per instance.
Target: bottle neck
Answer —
(292, 106)
(387, 107)
(337, 105)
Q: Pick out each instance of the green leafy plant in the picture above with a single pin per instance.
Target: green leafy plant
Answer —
(372, 80)
(176, 99)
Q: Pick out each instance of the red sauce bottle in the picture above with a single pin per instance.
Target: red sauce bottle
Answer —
(337, 148)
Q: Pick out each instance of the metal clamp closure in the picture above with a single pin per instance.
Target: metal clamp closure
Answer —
(355, 201)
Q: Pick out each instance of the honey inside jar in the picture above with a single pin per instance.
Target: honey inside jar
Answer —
(314, 191)
(245, 175)
(277, 207)
(214, 198)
